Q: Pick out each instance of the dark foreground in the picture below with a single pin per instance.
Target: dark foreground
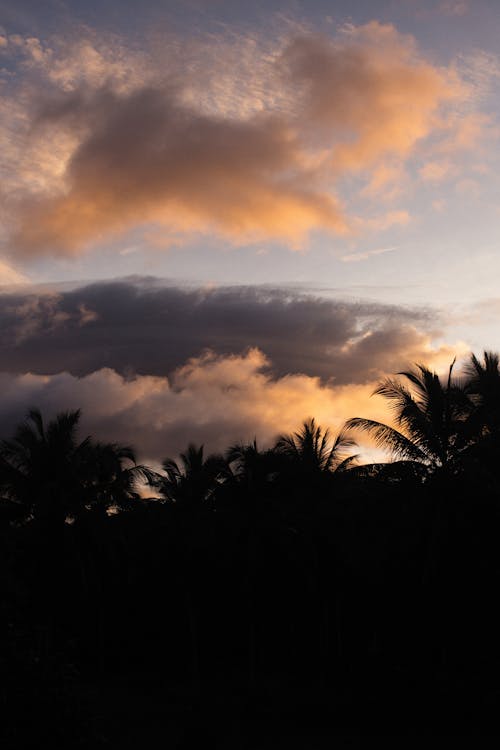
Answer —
(272, 598)
(134, 712)
(360, 616)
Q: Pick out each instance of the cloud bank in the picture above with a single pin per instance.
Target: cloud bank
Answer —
(212, 400)
(144, 327)
(161, 366)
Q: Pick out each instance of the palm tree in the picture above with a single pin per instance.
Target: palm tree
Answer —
(431, 419)
(252, 468)
(252, 472)
(45, 470)
(314, 461)
(43, 467)
(312, 451)
(430, 441)
(482, 386)
(190, 485)
(192, 482)
(114, 476)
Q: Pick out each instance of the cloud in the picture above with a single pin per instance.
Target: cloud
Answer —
(435, 171)
(468, 188)
(148, 328)
(372, 88)
(150, 160)
(9, 276)
(454, 7)
(384, 221)
(102, 139)
(215, 400)
(357, 257)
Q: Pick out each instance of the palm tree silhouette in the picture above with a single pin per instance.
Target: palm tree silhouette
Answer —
(44, 467)
(192, 482)
(432, 418)
(51, 475)
(190, 486)
(115, 477)
(312, 451)
(252, 468)
(483, 387)
(252, 482)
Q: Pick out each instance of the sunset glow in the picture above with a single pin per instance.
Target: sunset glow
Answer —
(217, 222)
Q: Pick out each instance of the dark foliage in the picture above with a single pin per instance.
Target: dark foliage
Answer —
(264, 595)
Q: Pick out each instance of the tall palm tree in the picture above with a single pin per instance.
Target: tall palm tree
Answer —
(313, 462)
(311, 450)
(49, 473)
(44, 467)
(431, 419)
(193, 481)
(114, 476)
(253, 469)
(483, 387)
(251, 483)
(190, 484)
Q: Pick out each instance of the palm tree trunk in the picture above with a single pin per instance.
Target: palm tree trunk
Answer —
(193, 641)
(252, 636)
(338, 628)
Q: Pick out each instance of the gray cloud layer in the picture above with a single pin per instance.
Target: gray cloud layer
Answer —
(161, 365)
(145, 328)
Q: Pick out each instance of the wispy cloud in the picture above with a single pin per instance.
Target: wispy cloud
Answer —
(454, 7)
(9, 276)
(357, 257)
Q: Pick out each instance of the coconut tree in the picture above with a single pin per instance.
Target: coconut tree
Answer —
(251, 468)
(311, 451)
(192, 481)
(44, 467)
(430, 440)
(482, 386)
(51, 474)
(252, 484)
(44, 470)
(314, 461)
(190, 485)
(431, 421)
(114, 477)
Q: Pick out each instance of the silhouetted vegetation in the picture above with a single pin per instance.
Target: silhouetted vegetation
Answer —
(264, 590)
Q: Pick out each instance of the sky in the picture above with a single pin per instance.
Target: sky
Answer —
(219, 220)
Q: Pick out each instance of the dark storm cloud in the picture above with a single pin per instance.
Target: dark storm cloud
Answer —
(141, 327)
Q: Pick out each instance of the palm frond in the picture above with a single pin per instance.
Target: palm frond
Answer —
(387, 437)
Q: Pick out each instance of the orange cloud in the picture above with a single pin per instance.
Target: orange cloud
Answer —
(9, 276)
(133, 150)
(216, 400)
(151, 160)
(435, 171)
(371, 90)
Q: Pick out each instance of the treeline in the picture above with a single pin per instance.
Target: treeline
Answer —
(294, 576)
